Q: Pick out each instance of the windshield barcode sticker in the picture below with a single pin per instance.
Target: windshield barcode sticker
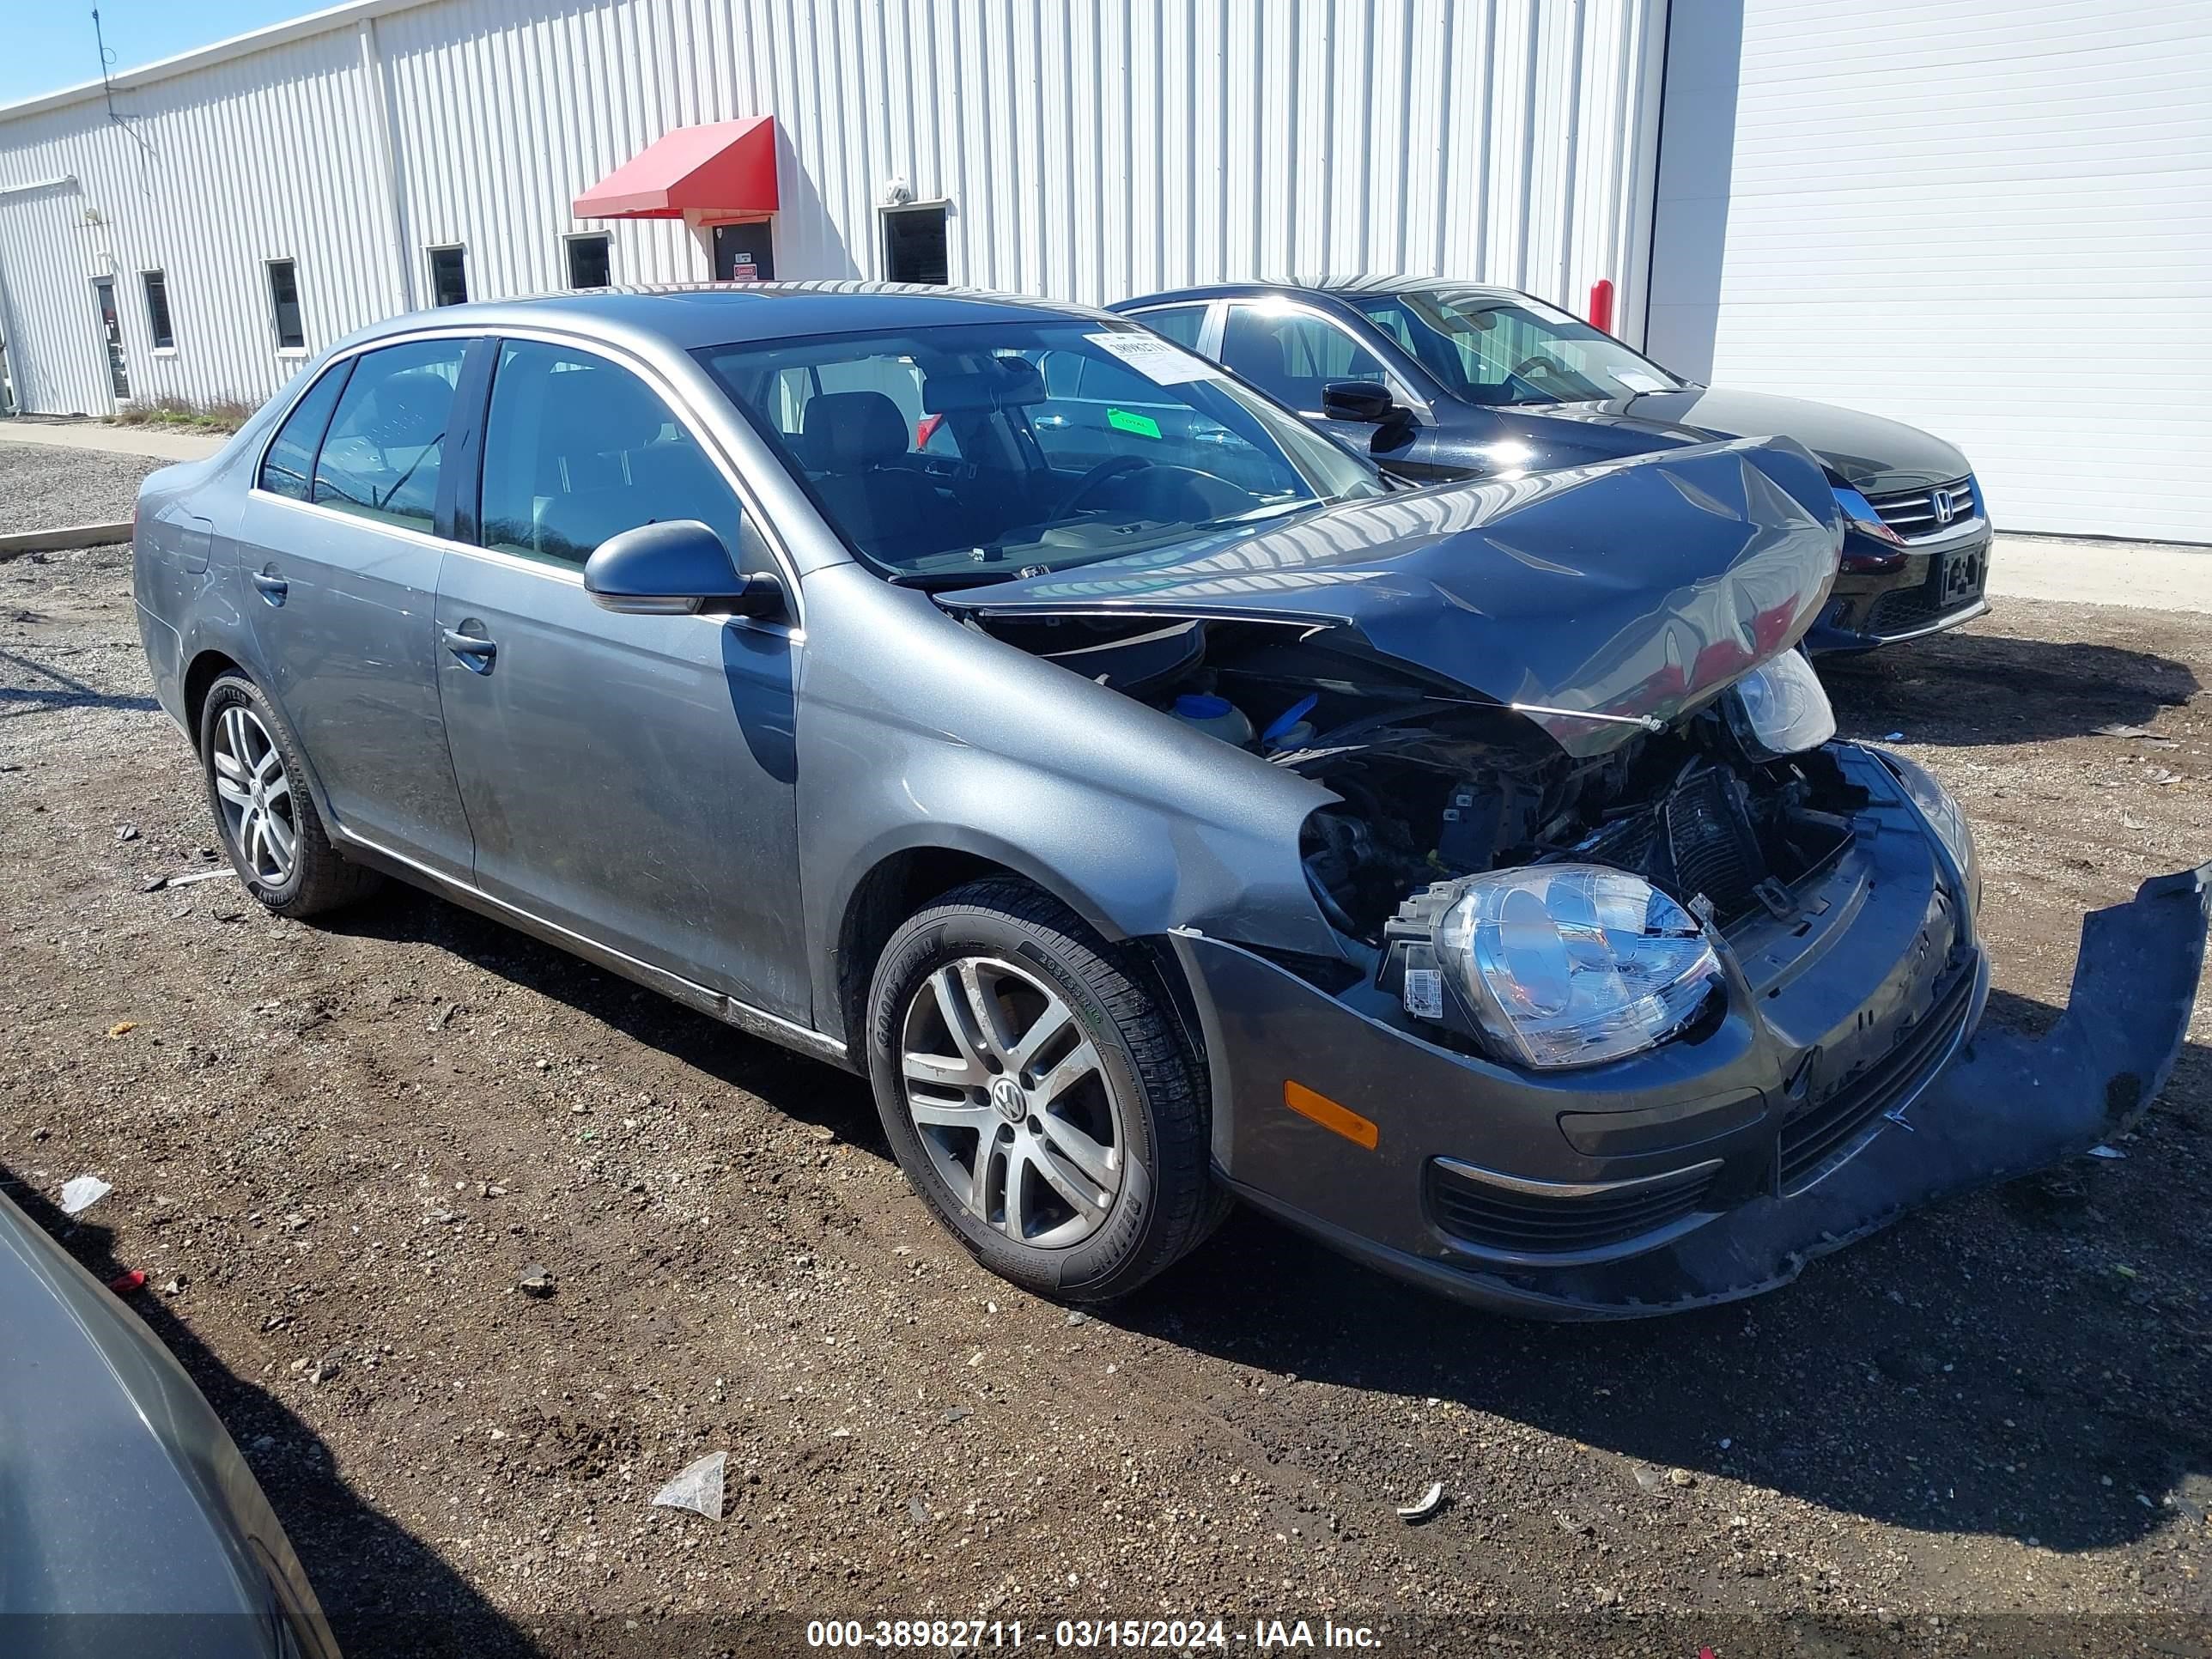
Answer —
(1161, 362)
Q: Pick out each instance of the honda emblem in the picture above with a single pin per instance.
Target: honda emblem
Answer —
(1944, 503)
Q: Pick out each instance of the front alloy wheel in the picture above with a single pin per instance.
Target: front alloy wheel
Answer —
(1040, 1093)
(1011, 1103)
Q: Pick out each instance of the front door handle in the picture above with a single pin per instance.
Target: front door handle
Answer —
(273, 586)
(474, 651)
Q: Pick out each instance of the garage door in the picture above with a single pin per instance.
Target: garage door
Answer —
(1989, 218)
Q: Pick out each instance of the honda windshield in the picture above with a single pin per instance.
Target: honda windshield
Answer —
(1498, 349)
(949, 456)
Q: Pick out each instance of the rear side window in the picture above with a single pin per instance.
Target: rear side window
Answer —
(1182, 324)
(578, 449)
(290, 466)
(387, 439)
(1290, 357)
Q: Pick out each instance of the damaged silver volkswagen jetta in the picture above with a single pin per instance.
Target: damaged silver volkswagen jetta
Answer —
(1157, 806)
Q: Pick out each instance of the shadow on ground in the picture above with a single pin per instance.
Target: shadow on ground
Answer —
(383, 1590)
(42, 688)
(1985, 1366)
(1968, 689)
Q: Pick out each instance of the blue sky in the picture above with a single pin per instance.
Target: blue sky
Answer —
(50, 43)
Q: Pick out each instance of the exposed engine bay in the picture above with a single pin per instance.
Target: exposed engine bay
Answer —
(1438, 782)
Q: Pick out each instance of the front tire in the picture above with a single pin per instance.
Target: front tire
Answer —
(257, 788)
(1039, 1093)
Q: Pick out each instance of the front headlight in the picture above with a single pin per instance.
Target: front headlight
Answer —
(1860, 511)
(1554, 964)
(1943, 816)
(1780, 709)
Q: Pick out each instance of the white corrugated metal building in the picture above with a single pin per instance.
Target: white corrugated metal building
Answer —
(1990, 217)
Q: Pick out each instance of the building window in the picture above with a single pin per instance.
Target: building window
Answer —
(157, 309)
(284, 305)
(587, 261)
(913, 244)
(449, 277)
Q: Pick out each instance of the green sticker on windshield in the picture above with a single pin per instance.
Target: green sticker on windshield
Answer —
(1143, 425)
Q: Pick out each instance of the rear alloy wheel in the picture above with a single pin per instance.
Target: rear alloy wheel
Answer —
(1039, 1093)
(253, 793)
(257, 788)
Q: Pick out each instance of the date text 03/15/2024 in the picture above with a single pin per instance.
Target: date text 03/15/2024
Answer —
(1170, 1635)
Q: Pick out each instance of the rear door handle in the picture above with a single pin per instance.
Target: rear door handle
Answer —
(273, 586)
(475, 652)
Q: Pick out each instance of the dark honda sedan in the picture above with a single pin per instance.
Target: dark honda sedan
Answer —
(1443, 380)
(1155, 804)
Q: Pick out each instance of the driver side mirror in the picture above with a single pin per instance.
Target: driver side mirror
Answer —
(1368, 403)
(676, 568)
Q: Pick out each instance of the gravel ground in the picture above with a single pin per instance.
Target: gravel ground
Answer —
(1986, 1430)
(45, 487)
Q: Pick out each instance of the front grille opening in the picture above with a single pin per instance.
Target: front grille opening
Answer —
(1484, 1215)
(1916, 514)
(1833, 1125)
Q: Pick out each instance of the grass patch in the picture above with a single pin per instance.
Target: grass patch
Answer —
(218, 415)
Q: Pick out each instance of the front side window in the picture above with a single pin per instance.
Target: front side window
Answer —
(578, 449)
(288, 467)
(387, 437)
(1292, 354)
(157, 309)
(284, 305)
(1501, 350)
(449, 277)
(949, 456)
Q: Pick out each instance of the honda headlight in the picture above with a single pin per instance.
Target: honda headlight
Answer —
(1780, 709)
(1860, 511)
(1555, 964)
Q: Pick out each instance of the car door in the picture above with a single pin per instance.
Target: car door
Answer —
(628, 778)
(338, 546)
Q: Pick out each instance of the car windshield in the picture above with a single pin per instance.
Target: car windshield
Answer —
(949, 456)
(1497, 349)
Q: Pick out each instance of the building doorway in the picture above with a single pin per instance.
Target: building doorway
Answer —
(110, 329)
(745, 253)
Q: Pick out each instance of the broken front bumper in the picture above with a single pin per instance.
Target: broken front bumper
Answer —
(1963, 1112)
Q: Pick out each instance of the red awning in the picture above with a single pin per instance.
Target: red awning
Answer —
(724, 166)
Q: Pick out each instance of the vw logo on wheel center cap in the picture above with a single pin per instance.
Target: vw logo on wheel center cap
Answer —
(1012, 1105)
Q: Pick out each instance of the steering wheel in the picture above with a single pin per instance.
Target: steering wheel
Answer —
(1113, 467)
(1545, 366)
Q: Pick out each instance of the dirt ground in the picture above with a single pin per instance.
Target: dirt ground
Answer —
(334, 1147)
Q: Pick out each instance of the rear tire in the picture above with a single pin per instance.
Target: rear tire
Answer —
(257, 788)
(1040, 1094)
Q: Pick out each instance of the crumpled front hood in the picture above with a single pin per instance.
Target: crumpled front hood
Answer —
(1634, 589)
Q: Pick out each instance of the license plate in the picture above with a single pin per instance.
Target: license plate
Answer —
(1963, 575)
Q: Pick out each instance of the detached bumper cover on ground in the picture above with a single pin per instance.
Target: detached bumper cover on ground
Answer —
(2006, 1105)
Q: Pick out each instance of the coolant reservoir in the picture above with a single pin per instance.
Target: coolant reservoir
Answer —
(1215, 716)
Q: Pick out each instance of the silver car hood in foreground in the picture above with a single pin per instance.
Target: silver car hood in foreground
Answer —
(123, 1503)
(1633, 589)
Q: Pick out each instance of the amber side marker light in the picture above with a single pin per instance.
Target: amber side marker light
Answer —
(1330, 1116)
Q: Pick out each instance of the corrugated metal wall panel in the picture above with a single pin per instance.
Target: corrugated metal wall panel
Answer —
(1089, 150)
(1991, 219)
(216, 172)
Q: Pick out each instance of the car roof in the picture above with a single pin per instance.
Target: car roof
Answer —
(692, 314)
(1322, 285)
